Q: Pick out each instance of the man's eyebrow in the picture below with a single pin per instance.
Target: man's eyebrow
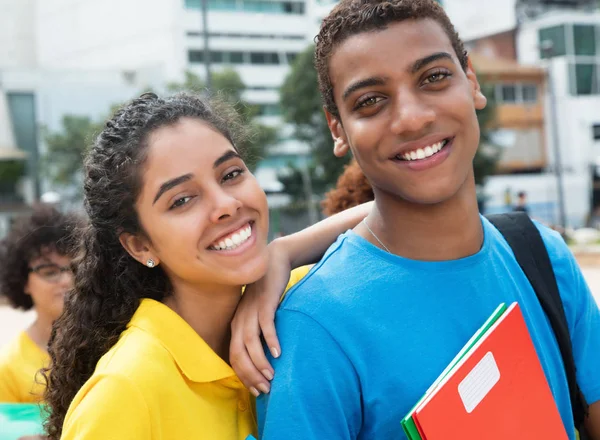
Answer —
(170, 184)
(367, 82)
(419, 64)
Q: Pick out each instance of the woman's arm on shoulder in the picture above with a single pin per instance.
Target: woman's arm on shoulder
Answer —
(256, 312)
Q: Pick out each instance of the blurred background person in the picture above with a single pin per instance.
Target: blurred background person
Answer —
(35, 273)
(521, 205)
(352, 189)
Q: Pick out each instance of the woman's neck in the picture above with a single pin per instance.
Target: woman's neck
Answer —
(209, 311)
(40, 331)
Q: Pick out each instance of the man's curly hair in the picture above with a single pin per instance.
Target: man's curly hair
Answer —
(352, 17)
(352, 189)
(45, 230)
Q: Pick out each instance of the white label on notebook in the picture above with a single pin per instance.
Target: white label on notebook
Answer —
(479, 382)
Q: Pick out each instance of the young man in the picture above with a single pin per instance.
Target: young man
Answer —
(372, 326)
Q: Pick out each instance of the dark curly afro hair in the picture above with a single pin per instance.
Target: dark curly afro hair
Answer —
(352, 189)
(45, 230)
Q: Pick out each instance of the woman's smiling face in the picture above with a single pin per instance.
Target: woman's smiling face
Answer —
(205, 216)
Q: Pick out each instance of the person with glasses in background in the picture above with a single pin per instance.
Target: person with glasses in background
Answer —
(35, 273)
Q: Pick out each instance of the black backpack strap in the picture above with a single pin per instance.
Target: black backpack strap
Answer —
(530, 252)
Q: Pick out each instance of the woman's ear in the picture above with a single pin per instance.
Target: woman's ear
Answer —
(139, 248)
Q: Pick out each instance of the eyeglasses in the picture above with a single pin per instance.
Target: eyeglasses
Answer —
(51, 272)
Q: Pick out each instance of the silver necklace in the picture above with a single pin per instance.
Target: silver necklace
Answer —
(375, 236)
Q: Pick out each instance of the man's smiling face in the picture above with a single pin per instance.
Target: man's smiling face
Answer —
(406, 110)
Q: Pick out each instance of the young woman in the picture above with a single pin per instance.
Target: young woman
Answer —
(35, 273)
(177, 226)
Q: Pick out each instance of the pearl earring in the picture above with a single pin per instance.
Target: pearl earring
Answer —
(150, 263)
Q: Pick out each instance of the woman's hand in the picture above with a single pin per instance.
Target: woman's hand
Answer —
(255, 315)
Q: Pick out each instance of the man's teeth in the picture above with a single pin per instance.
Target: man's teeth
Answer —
(233, 240)
(423, 153)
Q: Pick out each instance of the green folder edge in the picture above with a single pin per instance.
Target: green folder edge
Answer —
(408, 424)
(19, 419)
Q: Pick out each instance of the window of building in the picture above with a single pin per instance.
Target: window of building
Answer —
(596, 132)
(261, 88)
(516, 93)
(557, 36)
(261, 6)
(529, 93)
(236, 57)
(216, 57)
(269, 109)
(584, 38)
(196, 56)
(586, 79)
(264, 58)
(291, 57)
(253, 36)
(508, 93)
(24, 124)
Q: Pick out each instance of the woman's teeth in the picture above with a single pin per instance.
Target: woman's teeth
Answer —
(423, 153)
(234, 240)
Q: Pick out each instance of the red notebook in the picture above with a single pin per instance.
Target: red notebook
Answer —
(497, 392)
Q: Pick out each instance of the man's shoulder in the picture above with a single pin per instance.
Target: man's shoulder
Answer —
(330, 283)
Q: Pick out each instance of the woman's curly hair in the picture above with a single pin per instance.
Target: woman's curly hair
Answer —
(352, 189)
(352, 17)
(109, 283)
(43, 231)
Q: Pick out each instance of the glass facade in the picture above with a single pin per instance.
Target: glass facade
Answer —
(529, 93)
(556, 35)
(237, 57)
(22, 112)
(584, 39)
(261, 6)
(580, 44)
(586, 79)
(516, 93)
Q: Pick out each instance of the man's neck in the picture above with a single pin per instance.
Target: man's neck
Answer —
(440, 232)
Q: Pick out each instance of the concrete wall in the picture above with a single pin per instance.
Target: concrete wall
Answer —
(17, 33)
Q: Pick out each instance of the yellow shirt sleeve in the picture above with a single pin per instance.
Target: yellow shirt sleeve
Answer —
(110, 408)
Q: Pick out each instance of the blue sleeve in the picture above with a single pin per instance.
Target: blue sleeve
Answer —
(315, 394)
(583, 315)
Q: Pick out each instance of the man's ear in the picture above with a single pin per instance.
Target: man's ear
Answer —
(139, 248)
(478, 97)
(340, 141)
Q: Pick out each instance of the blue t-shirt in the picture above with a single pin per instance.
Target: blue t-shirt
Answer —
(365, 333)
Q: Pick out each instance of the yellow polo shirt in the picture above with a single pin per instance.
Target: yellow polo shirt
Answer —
(161, 381)
(20, 362)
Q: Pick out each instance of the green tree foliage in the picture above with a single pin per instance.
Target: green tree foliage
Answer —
(487, 154)
(67, 147)
(229, 87)
(302, 107)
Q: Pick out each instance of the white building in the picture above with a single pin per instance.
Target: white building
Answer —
(118, 42)
(573, 28)
(37, 91)
(258, 38)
